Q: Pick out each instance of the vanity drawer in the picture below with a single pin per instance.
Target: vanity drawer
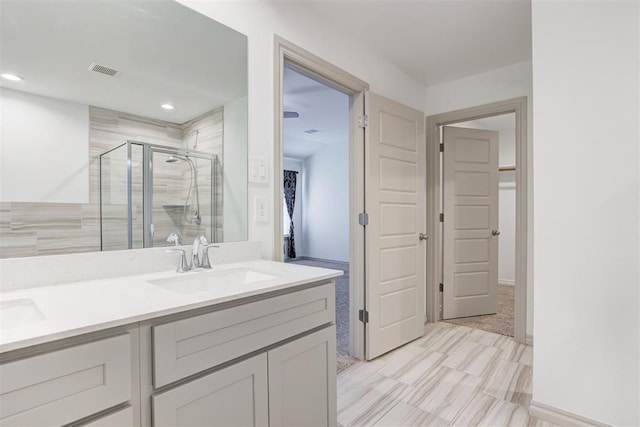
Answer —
(63, 386)
(188, 346)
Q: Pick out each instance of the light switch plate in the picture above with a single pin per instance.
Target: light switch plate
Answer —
(258, 171)
(262, 209)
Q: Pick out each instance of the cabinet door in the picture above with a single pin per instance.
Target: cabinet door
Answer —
(302, 381)
(233, 396)
(66, 385)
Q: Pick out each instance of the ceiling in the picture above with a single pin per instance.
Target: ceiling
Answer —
(435, 41)
(321, 108)
(166, 53)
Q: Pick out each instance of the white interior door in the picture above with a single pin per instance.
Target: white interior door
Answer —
(395, 199)
(470, 236)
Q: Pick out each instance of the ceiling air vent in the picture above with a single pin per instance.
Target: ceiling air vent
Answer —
(103, 69)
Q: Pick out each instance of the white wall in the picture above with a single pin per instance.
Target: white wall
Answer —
(503, 83)
(298, 214)
(44, 150)
(586, 121)
(326, 203)
(292, 20)
(234, 191)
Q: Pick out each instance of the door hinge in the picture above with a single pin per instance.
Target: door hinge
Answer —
(363, 121)
(441, 287)
(363, 315)
(441, 217)
(442, 148)
(363, 219)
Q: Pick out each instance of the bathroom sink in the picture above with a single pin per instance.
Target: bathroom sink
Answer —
(201, 282)
(19, 312)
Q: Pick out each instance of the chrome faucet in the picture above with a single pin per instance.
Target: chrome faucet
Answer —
(195, 259)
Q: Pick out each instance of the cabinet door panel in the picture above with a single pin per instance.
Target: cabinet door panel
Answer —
(302, 381)
(233, 396)
(63, 386)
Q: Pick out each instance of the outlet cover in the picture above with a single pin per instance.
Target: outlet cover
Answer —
(262, 209)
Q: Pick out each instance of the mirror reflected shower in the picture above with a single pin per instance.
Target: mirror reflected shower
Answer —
(149, 192)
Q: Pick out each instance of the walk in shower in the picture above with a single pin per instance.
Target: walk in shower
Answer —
(149, 191)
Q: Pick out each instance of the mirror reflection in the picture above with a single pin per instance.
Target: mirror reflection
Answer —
(123, 126)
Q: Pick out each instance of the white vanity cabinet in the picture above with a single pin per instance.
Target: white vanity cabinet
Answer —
(263, 360)
(290, 385)
(66, 385)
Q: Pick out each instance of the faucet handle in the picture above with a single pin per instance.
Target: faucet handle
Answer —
(205, 256)
(183, 264)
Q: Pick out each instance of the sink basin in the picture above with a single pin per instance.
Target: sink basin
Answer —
(202, 282)
(19, 312)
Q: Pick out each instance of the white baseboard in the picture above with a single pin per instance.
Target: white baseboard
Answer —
(506, 282)
(561, 417)
(528, 340)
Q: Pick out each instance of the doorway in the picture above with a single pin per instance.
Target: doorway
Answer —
(316, 187)
(436, 255)
(387, 239)
(479, 230)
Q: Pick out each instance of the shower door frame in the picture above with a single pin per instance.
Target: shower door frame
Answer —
(147, 183)
(147, 188)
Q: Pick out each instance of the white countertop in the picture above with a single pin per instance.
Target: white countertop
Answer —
(66, 310)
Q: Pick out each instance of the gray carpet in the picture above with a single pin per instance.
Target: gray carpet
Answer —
(501, 322)
(343, 360)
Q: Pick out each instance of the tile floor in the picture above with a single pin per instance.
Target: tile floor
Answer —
(452, 376)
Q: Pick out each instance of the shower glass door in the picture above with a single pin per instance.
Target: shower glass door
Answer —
(181, 198)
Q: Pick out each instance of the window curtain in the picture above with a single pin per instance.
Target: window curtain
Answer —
(290, 200)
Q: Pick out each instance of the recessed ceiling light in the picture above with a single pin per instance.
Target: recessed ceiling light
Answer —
(167, 106)
(11, 77)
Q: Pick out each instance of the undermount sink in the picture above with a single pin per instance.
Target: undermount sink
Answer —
(19, 312)
(201, 281)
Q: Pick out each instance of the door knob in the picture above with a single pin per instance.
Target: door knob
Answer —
(495, 232)
(423, 236)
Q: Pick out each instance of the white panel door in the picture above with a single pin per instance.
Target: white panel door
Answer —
(470, 260)
(395, 159)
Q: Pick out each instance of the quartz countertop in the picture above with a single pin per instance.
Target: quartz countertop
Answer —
(39, 315)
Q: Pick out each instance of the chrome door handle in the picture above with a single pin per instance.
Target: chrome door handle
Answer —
(422, 236)
(495, 232)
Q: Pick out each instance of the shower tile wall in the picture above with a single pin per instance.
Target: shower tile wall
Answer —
(28, 229)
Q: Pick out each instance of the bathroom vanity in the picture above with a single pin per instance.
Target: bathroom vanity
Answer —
(250, 343)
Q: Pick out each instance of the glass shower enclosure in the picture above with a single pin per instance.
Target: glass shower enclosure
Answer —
(149, 191)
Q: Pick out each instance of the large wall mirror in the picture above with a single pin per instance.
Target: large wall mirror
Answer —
(123, 125)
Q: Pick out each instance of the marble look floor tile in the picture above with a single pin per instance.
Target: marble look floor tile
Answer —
(364, 404)
(472, 358)
(509, 381)
(405, 415)
(444, 393)
(453, 375)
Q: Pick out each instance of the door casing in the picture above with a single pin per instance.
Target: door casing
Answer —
(434, 194)
(318, 69)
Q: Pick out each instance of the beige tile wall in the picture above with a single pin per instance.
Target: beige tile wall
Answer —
(28, 229)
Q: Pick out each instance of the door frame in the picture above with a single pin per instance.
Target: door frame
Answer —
(434, 194)
(323, 71)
